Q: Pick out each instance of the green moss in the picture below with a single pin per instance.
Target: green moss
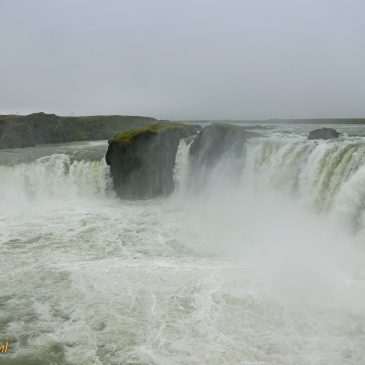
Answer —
(126, 137)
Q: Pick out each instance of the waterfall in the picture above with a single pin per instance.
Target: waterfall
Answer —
(53, 177)
(233, 267)
(326, 176)
(181, 170)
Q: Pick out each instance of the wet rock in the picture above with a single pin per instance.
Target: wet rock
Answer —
(142, 159)
(323, 133)
(218, 139)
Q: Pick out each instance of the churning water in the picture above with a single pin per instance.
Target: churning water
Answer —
(258, 260)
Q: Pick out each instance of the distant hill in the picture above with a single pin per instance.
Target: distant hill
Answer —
(30, 130)
(285, 121)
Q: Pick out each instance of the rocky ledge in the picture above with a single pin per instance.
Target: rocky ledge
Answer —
(142, 159)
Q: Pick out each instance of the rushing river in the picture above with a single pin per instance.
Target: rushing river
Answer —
(257, 261)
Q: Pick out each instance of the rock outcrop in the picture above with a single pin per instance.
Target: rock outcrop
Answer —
(323, 133)
(217, 139)
(30, 130)
(142, 159)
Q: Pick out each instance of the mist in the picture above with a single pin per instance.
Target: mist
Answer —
(264, 216)
(183, 60)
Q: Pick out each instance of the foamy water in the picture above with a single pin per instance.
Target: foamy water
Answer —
(258, 261)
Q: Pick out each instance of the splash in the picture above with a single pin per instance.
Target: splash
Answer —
(53, 177)
(326, 177)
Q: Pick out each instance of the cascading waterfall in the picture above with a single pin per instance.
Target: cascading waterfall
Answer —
(54, 177)
(242, 266)
(181, 170)
(327, 176)
(320, 174)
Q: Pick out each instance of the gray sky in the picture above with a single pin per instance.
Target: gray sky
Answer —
(184, 59)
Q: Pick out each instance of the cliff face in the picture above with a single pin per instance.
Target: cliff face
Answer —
(29, 130)
(142, 159)
(215, 140)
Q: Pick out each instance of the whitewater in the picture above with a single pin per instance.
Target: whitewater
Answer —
(258, 260)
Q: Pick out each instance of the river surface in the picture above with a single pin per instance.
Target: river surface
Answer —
(257, 261)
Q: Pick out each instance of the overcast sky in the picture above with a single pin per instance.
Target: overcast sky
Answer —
(184, 59)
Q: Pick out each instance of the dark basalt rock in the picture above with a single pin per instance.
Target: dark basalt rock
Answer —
(323, 133)
(142, 159)
(29, 130)
(217, 139)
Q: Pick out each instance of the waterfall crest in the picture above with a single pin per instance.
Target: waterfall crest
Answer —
(53, 177)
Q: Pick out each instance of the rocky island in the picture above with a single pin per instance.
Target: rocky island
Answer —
(323, 133)
(142, 159)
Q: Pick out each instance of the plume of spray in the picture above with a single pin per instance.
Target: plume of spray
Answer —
(252, 208)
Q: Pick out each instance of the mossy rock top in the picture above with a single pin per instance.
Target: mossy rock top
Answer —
(223, 126)
(142, 159)
(126, 137)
